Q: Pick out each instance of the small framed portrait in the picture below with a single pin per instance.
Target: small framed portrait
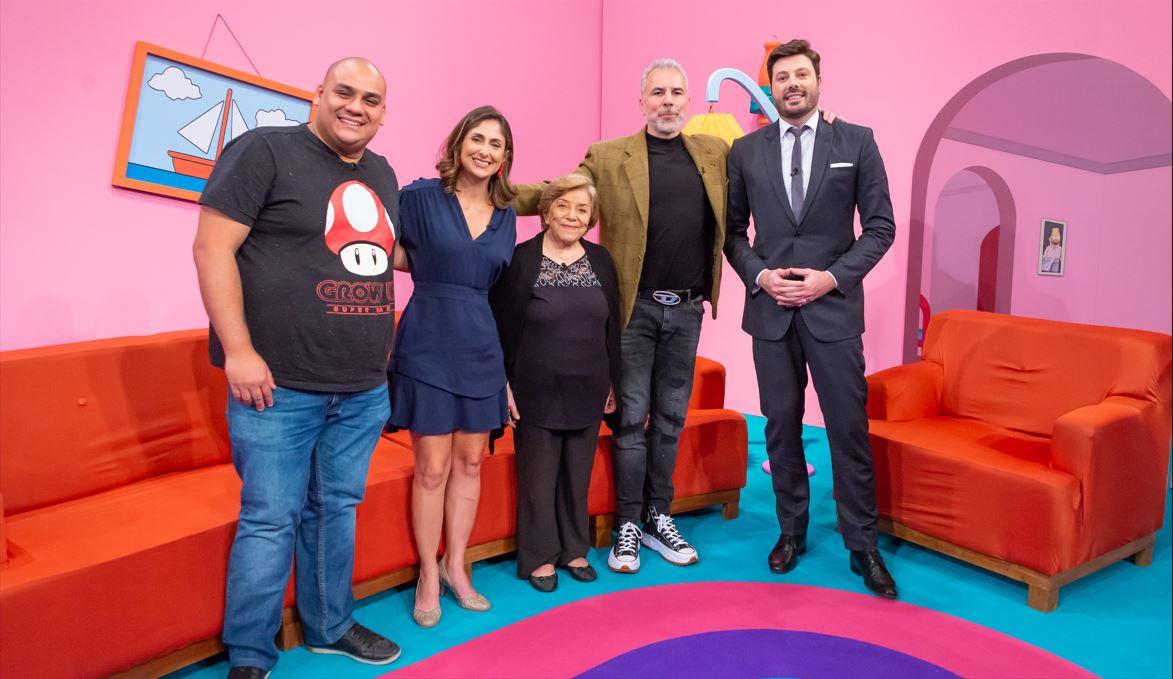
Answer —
(1053, 248)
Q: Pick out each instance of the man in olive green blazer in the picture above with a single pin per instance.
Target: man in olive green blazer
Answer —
(661, 198)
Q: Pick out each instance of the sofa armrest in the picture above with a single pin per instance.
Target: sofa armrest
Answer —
(905, 392)
(1119, 451)
(3, 532)
(708, 385)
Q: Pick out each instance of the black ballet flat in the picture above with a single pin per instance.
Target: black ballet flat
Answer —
(582, 573)
(544, 583)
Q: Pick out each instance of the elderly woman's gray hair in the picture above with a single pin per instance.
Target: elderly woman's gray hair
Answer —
(564, 185)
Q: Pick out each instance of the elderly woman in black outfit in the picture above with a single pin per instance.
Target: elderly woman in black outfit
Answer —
(557, 310)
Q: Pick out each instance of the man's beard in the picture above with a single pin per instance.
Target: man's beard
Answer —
(667, 126)
(811, 99)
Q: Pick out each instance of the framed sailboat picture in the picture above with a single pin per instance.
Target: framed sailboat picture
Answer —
(181, 111)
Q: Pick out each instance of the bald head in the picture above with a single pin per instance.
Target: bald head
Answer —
(354, 68)
(350, 105)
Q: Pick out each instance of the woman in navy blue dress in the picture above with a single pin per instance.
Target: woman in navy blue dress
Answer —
(447, 370)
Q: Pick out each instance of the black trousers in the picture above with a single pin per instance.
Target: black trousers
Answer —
(553, 476)
(838, 372)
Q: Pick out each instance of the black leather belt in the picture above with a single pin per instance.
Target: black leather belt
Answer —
(669, 297)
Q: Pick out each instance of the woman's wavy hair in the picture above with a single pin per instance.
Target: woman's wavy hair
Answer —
(501, 192)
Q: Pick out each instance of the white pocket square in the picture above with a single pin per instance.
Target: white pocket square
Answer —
(834, 165)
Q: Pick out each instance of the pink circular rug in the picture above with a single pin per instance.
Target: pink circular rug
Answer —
(741, 630)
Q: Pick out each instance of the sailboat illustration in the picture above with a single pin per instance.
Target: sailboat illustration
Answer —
(203, 130)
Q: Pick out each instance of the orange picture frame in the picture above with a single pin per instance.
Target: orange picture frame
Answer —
(181, 110)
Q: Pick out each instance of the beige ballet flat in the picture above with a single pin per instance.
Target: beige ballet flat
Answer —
(476, 602)
(426, 618)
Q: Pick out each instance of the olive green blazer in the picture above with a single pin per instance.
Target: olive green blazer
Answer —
(619, 169)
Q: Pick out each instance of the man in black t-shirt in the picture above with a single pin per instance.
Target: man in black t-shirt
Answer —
(293, 251)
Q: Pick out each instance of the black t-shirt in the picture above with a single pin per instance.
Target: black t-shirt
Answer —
(680, 221)
(316, 267)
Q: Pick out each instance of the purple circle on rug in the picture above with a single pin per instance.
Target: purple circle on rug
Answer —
(760, 653)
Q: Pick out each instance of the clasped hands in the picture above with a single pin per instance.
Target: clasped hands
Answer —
(796, 287)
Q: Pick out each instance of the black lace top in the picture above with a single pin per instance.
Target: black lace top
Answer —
(577, 274)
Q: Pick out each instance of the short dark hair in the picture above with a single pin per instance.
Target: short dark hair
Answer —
(790, 49)
(501, 192)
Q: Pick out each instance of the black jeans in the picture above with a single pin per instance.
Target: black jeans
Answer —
(659, 354)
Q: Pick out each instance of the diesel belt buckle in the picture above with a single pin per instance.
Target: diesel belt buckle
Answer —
(666, 298)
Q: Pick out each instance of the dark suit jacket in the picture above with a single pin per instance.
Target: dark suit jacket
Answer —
(510, 296)
(825, 236)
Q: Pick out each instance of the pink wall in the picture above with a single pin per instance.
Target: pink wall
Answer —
(889, 67)
(1119, 240)
(964, 214)
(81, 259)
(111, 262)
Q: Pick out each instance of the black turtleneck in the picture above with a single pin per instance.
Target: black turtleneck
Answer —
(680, 221)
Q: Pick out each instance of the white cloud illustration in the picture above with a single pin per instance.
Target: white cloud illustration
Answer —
(274, 118)
(175, 84)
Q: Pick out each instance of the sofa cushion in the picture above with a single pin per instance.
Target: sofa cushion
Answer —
(136, 572)
(1024, 373)
(965, 481)
(82, 418)
(122, 576)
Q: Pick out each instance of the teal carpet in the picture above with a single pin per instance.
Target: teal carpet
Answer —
(1114, 623)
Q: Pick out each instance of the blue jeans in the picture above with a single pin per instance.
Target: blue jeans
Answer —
(303, 464)
(659, 354)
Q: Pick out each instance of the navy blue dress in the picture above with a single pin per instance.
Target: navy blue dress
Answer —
(447, 368)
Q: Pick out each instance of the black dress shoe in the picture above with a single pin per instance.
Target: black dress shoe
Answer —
(247, 672)
(875, 574)
(544, 583)
(363, 645)
(582, 573)
(784, 557)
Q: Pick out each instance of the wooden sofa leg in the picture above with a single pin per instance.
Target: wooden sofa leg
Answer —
(1144, 557)
(468, 571)
(289, 636)
(729, 509)
(601, 531)
(1042, 597)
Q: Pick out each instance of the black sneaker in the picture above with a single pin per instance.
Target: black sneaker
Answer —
(247, 672)
(660, 534)
(363, 645)
(624, 556)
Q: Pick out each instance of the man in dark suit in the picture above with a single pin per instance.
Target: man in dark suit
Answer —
(802, 181)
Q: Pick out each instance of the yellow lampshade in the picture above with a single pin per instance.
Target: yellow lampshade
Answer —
(722, 125)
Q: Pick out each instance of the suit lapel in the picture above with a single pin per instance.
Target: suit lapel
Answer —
(635, 167)
(707, 164)
(823, 139)
(773, 150)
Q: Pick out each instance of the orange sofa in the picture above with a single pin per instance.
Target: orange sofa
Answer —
(119, 504)
(1036, 449)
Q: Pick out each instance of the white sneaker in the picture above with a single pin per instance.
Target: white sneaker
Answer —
(624, 556)
(660, 534)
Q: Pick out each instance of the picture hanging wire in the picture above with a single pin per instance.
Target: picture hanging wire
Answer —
(220, 19)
